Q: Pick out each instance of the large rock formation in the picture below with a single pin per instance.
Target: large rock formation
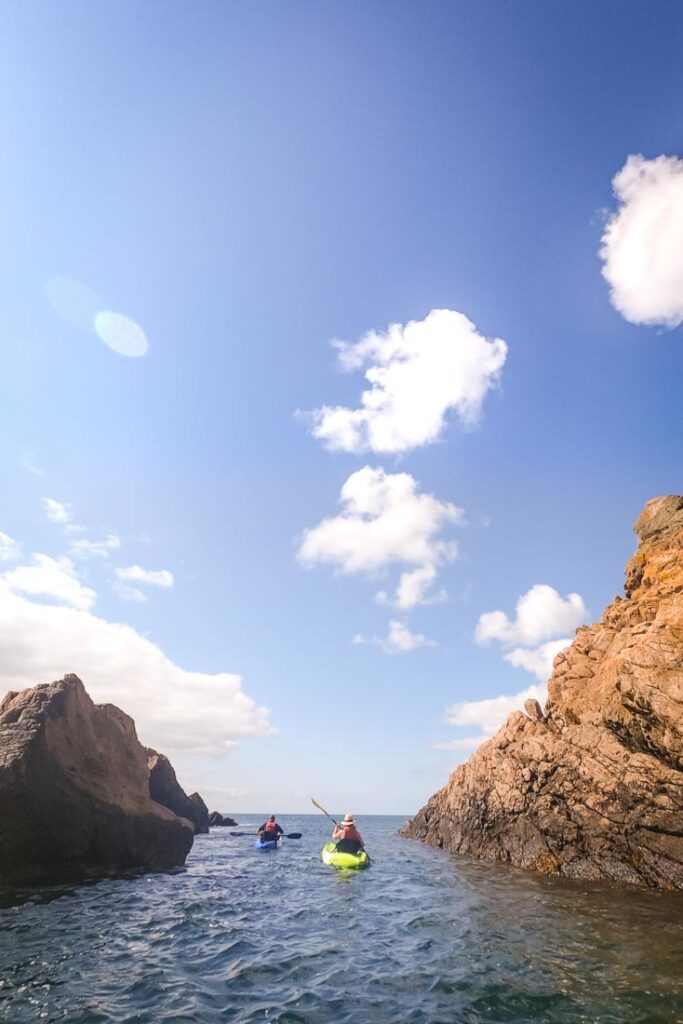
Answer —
(74, 791)
(166, 790)
(593, 787)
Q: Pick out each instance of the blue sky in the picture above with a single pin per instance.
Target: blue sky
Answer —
(247, 183)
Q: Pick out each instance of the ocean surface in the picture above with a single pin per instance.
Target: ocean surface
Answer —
(420, 938)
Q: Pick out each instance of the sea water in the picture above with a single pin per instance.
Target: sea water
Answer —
(420, 937)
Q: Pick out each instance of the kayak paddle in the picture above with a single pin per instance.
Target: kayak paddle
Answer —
(316, 804)
(285, 835)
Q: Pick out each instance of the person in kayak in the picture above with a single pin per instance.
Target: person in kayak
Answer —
(347, 836)
(270, 830)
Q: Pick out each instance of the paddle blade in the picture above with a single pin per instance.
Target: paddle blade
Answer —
(293, 835)
(244, 833)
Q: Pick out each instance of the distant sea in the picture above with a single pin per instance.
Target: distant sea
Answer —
(419, 938)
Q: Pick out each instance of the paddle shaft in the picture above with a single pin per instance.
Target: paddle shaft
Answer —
(284, 835)
(316, 804)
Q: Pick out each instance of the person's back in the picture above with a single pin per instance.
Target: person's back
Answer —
(347, 836)
(270, 830)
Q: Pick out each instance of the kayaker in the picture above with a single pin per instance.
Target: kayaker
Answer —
(347, 836)
(270, 830)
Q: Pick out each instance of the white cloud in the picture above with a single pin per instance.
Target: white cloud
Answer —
(538, 660)
(418, 372)
(57, 511)
(399, 639)
(541, 613)
(413, 588)
(10, 550)
(153, 577)
(177, 711)
(490, 714)
(30, 463)
(384, 521)
(52, 578)
(84, 548)
(642, 246)
(128, 593)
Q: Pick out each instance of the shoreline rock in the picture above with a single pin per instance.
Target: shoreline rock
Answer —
(591, 787)
(167, 791)
(218, 820)
(74, 791)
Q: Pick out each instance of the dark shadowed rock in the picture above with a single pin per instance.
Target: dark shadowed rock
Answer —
(74, 791)
(593, 789)
(167, 791)
(201, 819)
(216, 819)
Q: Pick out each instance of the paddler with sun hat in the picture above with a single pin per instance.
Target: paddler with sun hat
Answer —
(346, 836)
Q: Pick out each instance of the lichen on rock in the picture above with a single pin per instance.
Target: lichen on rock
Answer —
(593, 788)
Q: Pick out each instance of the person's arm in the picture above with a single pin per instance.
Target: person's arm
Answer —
(336, 832)
(280, 831)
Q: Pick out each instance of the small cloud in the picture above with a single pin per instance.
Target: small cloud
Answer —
(538, 660)
(152, 577)
(385, 520)
(30, 464)
(128, 593)
(96, 548)
(491, 713)
(57, 511)
(418, 373)
(642, 245)
(398, 640)
(51, 578)
(541, 613)
(10, 550)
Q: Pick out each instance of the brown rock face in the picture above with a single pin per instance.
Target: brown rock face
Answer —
(74, 791)
(594, 788)
(167, 791)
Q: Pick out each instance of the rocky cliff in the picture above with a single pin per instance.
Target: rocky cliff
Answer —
(166, 790)
(74, 791)
(592, 786)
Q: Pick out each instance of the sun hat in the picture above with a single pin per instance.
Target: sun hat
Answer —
(348, 819)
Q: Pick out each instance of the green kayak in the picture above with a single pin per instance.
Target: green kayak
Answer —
(332, 856)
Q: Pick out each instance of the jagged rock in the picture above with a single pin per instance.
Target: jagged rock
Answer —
(167, 791)
(215, 819)
(534, 710)
(595, 791)
(74, 795)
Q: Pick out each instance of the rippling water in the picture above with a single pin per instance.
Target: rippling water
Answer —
(420, 938)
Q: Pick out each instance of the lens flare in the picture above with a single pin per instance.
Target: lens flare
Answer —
(121, 334)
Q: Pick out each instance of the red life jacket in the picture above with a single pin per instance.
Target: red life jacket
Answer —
(351, 832)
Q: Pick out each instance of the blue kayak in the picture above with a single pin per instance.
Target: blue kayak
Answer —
(267, 844)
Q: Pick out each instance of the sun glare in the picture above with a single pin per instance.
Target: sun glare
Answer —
(121, 334)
